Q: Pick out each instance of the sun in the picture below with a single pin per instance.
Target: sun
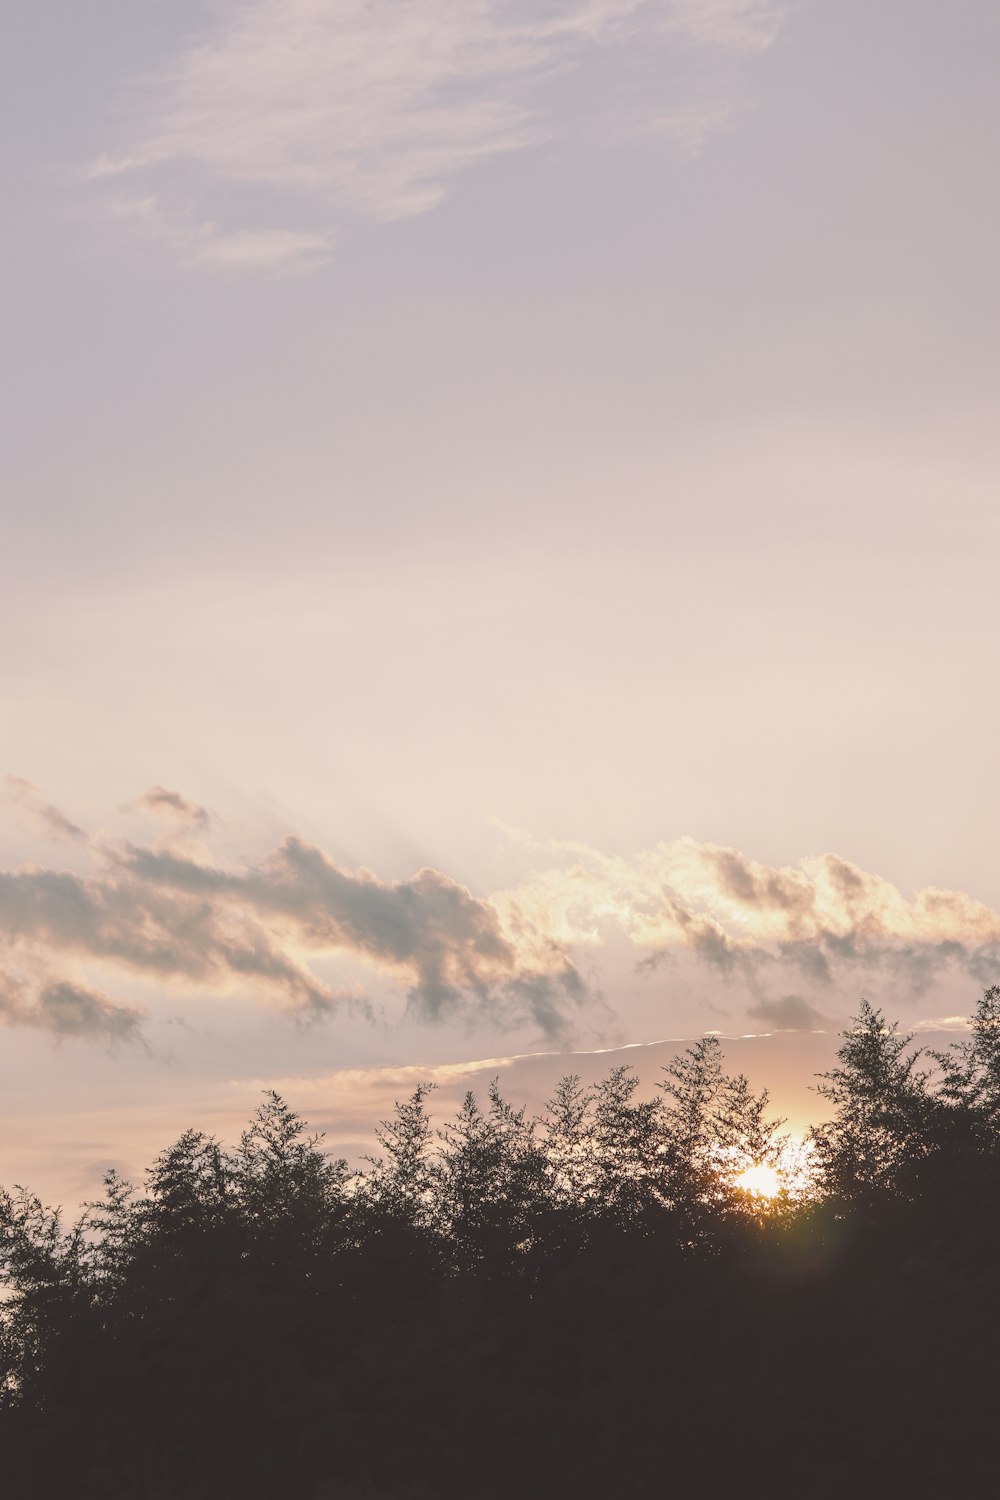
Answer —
(760, 1181)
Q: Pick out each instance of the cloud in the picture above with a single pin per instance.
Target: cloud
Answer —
(260, 249)
(74, 1010)
(943, 1023)
(690, 125)
(789, 1013)
(204, 245)
(279, 926)
(40, 815)
(160, 802)
(449, 943)
(178, 919)
(66, 1009)
(344, 110)
(825, 917)
(749, 25)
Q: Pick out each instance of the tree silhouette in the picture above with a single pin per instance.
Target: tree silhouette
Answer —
(970, 1070)
(574, 1305)
(884, 1110)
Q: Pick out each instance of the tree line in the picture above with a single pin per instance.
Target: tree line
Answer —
(590, 1302)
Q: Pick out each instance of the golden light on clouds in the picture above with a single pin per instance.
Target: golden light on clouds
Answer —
(720, 902)
(301, 928)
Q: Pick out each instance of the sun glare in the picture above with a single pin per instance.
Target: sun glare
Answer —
(760, 1182)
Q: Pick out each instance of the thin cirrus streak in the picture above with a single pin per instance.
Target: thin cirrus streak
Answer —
(208, 244)
(366, 109)
(170, 914)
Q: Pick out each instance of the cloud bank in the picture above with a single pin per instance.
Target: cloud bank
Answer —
(369, 110)
(824, 918)
(168, 914)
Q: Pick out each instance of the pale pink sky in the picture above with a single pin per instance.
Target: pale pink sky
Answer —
(552, 445)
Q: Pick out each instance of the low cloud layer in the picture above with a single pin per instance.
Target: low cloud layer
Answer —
(825, 918)
(369, 110)
(786, 940)
(178, 919)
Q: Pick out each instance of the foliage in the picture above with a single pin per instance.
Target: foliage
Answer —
(505, 1305)
(885, 1110)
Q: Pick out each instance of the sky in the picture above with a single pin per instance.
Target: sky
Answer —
(498, 546)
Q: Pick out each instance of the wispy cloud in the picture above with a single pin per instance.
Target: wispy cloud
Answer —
(205, 245)
(750, 25)
(345, 109)
(39, 815)
(689, 125)
(789, 1013)
(160, 802)
(943, 1023)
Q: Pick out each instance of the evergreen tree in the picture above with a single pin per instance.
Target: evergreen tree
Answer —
(883, 1126)
(693, 1087)
(747, 1137)
(627, 1144)
(970, 1081)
